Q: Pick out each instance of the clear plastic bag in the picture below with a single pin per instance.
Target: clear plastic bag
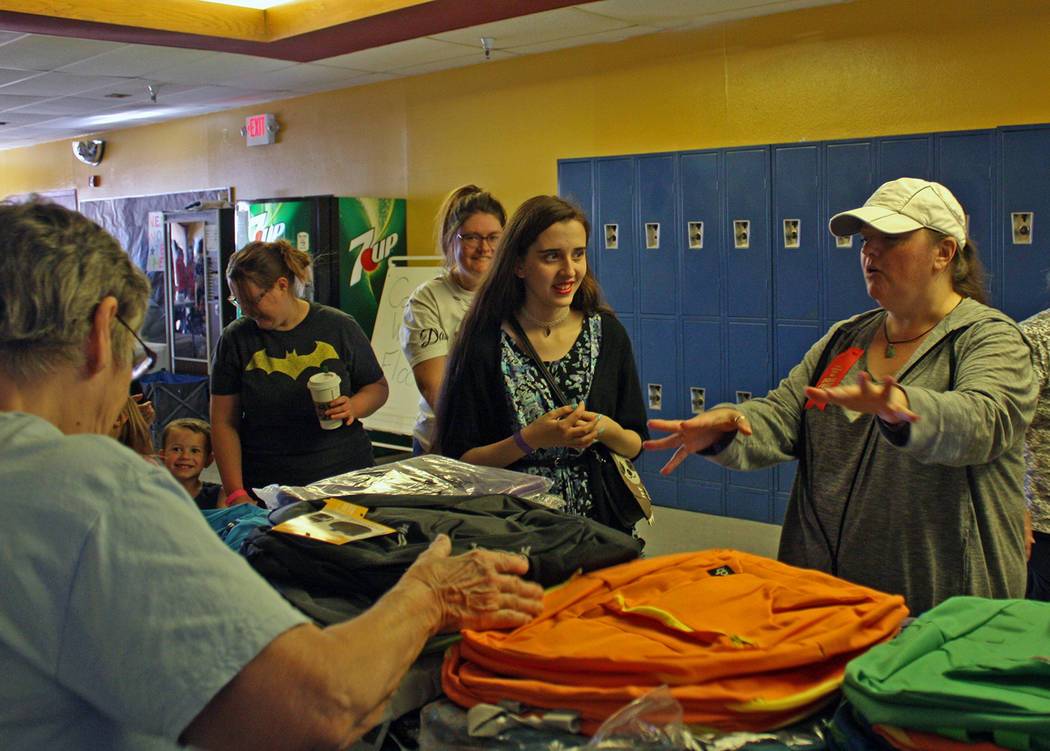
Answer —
(428, 474)
(653, 722)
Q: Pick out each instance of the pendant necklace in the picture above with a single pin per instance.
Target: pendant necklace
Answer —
(890, 351)
(546, 325)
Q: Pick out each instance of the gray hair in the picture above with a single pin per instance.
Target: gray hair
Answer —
(55, 267)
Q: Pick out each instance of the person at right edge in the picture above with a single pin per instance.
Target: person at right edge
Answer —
(1037, 458)
(907, 421)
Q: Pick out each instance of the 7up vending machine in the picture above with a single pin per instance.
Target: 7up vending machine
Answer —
(370, 232)
(348, 239)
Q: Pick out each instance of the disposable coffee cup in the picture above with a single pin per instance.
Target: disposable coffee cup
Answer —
(324, 388)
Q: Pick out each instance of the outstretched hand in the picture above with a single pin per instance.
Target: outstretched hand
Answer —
(886, 400)
(482, 589)
(696, 433)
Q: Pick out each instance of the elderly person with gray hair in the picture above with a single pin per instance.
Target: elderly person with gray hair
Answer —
(125, 622)
(908, 421)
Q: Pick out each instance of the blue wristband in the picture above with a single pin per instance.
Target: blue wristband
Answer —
(520, 442)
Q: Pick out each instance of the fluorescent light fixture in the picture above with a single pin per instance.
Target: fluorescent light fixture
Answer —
(131, 116)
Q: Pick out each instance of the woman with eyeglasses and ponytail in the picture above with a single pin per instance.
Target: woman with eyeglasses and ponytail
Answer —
(468, 228)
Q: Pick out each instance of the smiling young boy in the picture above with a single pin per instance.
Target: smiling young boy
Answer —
(186, 453)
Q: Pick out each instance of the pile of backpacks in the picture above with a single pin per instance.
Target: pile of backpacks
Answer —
(742, 642)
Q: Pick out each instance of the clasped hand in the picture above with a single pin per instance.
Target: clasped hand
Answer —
(573, 427)
(886, 400)
(479, 590)
(695, 434)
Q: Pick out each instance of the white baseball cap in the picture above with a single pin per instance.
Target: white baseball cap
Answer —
(905, 205)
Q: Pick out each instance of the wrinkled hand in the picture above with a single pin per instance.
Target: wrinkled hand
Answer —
(479, 590)
(696, 433)
(145, 408)
(563, 426)
(886, 400)
(341, 409)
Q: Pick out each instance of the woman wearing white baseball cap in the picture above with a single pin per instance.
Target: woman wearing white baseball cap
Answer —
(908, 421)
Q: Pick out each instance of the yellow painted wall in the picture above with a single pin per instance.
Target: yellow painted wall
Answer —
(862, 68)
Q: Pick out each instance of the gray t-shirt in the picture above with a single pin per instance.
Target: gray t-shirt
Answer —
(123, 614)
(429, 325)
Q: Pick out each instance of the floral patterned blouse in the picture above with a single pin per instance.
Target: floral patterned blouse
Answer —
(529, 397)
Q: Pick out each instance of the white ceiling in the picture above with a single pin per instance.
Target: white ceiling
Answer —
(53, 88)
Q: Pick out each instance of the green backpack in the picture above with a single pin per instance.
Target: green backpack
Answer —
(970, 669)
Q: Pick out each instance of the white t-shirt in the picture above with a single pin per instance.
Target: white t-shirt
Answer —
(429, 325)
(122, 613)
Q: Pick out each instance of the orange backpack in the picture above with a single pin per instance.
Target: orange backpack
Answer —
(743, 642)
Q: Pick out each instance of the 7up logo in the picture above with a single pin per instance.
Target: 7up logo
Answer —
(371, 255)
(258, 229)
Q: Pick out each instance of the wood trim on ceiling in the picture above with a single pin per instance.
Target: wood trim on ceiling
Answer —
(398, 25)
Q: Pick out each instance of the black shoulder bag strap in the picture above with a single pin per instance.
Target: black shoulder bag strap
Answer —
(523, 340)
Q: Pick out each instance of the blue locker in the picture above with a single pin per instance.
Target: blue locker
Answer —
(965, 164)
(576, 184)
(796, 259)
(614, 235)
(1025, 197)
(663, 489)
(702, 368)
(702, 497)
(793, 340)
(747, 224)
(747, 503)
(904, 156)
(748, 376)
(657, 241)
(699, 233)
(847, 184)
(658, 368)
(780, 504)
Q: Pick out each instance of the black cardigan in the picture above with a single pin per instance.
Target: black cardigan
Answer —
(478, 413)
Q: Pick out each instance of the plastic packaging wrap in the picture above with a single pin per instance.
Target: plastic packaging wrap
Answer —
(652, 722)
(429, 474)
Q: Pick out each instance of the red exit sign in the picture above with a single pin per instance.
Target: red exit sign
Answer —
(260, 130)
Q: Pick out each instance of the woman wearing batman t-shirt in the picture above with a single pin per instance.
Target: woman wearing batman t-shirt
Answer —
(264, 426)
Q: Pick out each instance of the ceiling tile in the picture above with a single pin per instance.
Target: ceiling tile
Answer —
(134, 60)
(62, 106)
(40, 52)
(58, 84)
(10, 76)
(23, 118)
(400, 56)
(533, 29)
(293, 78)
(217, 68)
(605, 37)
(455, 62)
(8, 101)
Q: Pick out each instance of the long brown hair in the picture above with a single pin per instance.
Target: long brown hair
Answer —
(503, 291)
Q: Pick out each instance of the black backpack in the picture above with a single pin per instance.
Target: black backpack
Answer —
(336, 581)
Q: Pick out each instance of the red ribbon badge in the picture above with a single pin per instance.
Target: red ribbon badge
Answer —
(835, 372)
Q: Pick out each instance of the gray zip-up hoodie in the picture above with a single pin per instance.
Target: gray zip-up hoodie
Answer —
(927, 510)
